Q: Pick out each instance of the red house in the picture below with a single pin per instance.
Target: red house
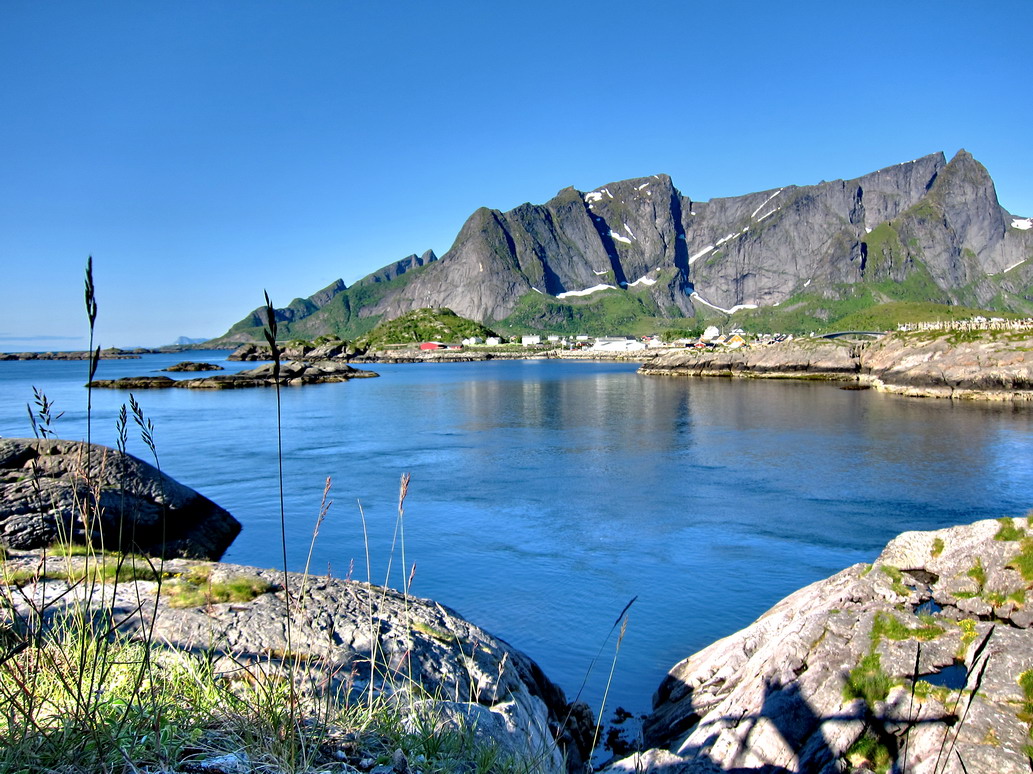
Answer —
(432, 345)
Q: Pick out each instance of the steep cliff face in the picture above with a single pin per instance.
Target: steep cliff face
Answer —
(760, 249)
(924, 230)
(619, 235)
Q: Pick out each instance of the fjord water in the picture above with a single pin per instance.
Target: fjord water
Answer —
(547, 494)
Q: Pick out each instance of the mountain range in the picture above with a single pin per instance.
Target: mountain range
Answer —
(640, 253)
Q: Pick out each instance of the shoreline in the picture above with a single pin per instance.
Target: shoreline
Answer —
(983, 366)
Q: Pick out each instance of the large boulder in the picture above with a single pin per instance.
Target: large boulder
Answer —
(53, 490)
(923, 660)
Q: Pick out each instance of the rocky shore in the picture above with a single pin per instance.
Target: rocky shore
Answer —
(924, 656)
(105, 354)
(988, 365)
(340, 353)
(351, 636)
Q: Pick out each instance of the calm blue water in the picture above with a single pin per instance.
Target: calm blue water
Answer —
(545, 495)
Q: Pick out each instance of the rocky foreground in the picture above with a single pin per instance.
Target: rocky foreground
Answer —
(973, 366)
(924, 658)
(921, 662)
(350, 635)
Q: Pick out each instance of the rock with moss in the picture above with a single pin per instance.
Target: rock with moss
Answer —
(924, 657)
(340, 639)
(960, 364)
(53, 490)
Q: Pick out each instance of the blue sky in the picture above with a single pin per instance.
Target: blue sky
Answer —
(205, 151)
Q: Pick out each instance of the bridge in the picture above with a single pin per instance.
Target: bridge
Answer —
(843, 334)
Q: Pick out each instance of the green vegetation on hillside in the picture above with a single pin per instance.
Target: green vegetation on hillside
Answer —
(340, 317)
(424, 325)
(606, 312)
(878, 305)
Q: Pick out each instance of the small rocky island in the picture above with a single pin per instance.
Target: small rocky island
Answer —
(112, 353)
(292, 373)
(189, 366)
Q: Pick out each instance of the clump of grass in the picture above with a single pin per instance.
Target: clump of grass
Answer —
(968, 636)
(869, 753)
(978, 573)
(868, 681)
(889, 626)
(185, 593)
(896, 577)
(1008, 530)
(437, 634)
(1023, 561)
(937, 547)
(1025, 713)
(922, 689)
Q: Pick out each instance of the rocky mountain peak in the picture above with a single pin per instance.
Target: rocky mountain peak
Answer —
(922, 230)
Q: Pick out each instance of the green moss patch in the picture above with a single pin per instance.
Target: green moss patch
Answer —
(1009, 530)
(896, 577)
(1023, 561)
(195, 589)
(890, 627)
(868, 681)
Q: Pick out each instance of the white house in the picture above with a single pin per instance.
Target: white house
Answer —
(617, 344)
(530, 341)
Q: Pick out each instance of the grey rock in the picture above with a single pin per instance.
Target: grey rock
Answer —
(44, 486)
(191, 366)
(774, 696)
(355, 637)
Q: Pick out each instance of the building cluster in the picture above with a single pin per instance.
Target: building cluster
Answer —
(977, 323)
(711, 338)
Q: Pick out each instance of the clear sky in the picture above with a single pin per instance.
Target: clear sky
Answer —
(203, 151)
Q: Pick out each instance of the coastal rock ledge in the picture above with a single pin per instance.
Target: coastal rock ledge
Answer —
(971, 365)
(921, 662)
(352, 637)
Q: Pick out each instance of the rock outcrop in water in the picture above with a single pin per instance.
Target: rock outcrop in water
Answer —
(189, 366)
(292, 374)
(926, 656)
(45, 484)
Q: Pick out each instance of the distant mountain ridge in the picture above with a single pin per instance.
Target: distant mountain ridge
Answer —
(924, 230)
